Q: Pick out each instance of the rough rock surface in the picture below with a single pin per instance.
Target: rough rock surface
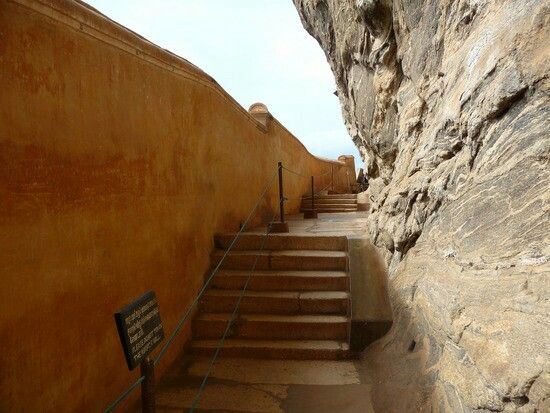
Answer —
(448, 102)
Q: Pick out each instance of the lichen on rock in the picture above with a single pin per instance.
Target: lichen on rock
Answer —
(448, 103)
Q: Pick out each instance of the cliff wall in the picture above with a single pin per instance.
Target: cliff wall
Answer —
(448, 103)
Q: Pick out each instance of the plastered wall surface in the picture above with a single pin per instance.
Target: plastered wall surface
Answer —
(368, 274)
(118, 163)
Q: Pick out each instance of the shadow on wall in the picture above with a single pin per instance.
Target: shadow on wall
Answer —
(394, 359)
(371, 310)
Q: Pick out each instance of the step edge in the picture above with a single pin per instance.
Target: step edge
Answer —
(229, 293)
(292, 318)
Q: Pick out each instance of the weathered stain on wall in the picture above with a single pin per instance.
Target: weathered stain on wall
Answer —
(118, 163)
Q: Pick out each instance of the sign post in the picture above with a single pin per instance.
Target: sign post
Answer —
(147, 369)
(140, 331)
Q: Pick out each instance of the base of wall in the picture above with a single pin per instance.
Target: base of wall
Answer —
(310, 214)
(279, 227)
(364, 333)
(362, 207)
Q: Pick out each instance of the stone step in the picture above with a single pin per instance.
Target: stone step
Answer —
(329, 210)
(283, 260)
(251, 241)
(307, 202)
(332, 196)
(283, 280)
(266, 326)
(276, 302)
(307, 205)
(330, 201)
(275, 349)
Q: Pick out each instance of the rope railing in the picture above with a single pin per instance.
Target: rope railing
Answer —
(331, 183)
(230, 321)
(124, 395)
(270, 228)
(212, 274)
(306, 176)
(322, 190)
(233, 316)
(306, 196)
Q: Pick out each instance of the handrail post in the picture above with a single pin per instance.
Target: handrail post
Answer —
(312, 194)
(148, 386)
(281, 195)
(280, 226)
(311, 214)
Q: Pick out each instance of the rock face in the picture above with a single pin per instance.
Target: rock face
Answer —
(448, 102)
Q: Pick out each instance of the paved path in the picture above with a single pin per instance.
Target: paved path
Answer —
(248, 385)
(292, 386)
(351, 224)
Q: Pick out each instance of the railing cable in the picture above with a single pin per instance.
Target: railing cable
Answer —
(305, 176)
(189, 309)
(309, 177)
(231, 320)
(212, 274)
(309, 195)
(322, 190)
(124, 395)
(187, 313)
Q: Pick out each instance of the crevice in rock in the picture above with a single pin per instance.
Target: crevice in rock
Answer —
(518, 400)
(506, 103)
(409, 243)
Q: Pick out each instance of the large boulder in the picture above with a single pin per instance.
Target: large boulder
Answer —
(448, 102)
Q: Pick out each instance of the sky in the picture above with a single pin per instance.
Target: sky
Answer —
(257, 50)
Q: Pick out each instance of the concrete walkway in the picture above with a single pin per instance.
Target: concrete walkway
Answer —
(350, 224)
(248, 385)
(367, 271)
(252, 385)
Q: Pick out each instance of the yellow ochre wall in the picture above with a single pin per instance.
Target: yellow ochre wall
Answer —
(118, 163)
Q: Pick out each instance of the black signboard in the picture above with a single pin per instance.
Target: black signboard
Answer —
(139, 328)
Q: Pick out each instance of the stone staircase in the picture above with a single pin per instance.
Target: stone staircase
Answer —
(330, 203)
(297, 303)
